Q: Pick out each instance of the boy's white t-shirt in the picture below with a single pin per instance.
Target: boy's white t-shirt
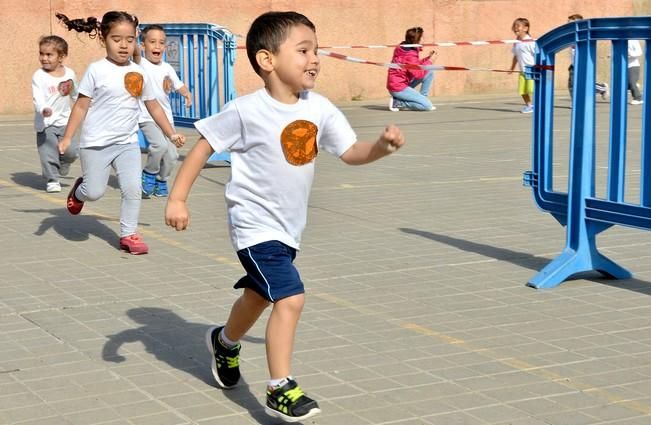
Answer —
(634, 53)
(273, 146)
(115, 92)
(525, 52)
(164, 80)
(56, 93)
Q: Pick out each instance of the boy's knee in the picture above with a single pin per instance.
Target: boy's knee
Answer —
(92, 194)
(292, 304)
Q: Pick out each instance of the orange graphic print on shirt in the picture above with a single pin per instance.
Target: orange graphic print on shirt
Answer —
(133, 82)
(167, 85)
(298, 140)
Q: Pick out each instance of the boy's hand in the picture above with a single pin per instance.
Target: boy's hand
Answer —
(63, 145)
(47, 112)
(176, 214)
(188, 99)
(178, 140)
(391, 139)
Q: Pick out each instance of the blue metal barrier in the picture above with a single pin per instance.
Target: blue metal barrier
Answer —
(584, 214)
(194, 51)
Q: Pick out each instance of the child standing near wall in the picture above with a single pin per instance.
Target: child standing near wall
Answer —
(274, 135)
(162, 154)
(600, 88)
(524, 54)
(108, 107)
(54, 89)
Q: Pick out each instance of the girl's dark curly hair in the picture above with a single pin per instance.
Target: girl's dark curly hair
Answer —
(92, 26)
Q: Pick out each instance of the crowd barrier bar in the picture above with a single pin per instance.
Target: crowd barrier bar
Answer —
(584, 214)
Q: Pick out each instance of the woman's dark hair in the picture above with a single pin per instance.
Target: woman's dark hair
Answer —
(59, 43)
(413, 35)
(92, 27)
(269, 30)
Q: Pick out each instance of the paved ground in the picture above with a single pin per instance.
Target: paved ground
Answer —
(417, 310)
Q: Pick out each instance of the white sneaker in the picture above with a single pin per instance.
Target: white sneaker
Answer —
(636, 102)
(53, 187)
(605, 95)
(527, 109)
(391, 107)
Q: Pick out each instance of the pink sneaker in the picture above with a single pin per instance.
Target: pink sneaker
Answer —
(133, 244)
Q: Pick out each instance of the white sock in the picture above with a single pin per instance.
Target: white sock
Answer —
(224, 340)
(277, 383)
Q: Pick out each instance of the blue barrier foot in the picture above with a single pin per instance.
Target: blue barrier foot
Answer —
(571, 262)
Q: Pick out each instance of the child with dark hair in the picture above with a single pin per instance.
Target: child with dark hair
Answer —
(402, 82)
(108, 106)
(162, 154)
(274, 135)
(54, 89)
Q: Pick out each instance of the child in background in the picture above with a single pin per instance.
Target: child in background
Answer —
(634, 53)
(162, 154)
(54, 89)
(524, 54)
(274, 135)
(600, 88)
(108, 106)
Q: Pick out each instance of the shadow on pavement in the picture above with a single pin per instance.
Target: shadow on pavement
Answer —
(181, 344)
(527, 260)
(74, 228)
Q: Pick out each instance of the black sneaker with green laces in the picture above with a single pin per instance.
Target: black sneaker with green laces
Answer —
(290, 403)
(225, 361)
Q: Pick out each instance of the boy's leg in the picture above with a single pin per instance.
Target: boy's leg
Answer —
(168, 162)
(158, 145)
(281, 330)
(633, 77)
(47, 144)
(223, 340)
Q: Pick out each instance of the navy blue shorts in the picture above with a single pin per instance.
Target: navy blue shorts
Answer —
(270, 270)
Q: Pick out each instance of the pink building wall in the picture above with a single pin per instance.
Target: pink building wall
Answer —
(338, 22)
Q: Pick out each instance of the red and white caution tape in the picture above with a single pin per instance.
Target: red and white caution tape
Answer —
(415, 66)
(434, 44)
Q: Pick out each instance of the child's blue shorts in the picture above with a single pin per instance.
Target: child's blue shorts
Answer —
(270, 270)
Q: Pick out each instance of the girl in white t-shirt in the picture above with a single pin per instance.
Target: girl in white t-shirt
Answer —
(54, 89)
(108, 106)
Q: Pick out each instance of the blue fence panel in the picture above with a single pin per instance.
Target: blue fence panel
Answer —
(579, 209)
(195, 51)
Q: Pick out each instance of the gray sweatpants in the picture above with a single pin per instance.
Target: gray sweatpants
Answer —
(96, 164)
(633, 77)
(162, 155)
(47, 144)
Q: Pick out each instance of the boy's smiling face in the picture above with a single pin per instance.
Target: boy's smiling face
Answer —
(154, 45)
(296, 64)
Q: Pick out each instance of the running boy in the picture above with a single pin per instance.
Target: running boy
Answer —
(524, 54)
(274, 135)
(162, 154)
(54, 89)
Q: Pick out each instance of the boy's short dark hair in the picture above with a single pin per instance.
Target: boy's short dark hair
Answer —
(151, 27)
(575, 17)
(269, 31)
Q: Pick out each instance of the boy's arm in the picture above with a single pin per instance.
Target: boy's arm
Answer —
(183, 91)
(77, 115)
(157, 113)
(360, 153)
(176, 211)
(514, 62)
